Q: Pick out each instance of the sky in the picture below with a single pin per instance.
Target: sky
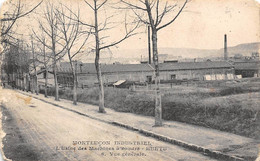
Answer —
(202, 25)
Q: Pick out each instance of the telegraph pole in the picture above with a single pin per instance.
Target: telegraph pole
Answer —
(149, 45)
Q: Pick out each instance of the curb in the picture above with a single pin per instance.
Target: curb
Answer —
(68, 109)
(202, 150)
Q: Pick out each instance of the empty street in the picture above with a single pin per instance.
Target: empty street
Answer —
(39, 131)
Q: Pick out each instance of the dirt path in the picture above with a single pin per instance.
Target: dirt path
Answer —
(40, 131)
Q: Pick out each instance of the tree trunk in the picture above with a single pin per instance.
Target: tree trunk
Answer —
(74, 77)
(46, 71)
(32, 84)
(97, 64)
(20, 83)
(27, 83)
(158, 100)
(24, 82)
(56, 82)
(101, 88)
(17, 79)
(8, 78)
(74, 87)
(36, 82)
(46, 84)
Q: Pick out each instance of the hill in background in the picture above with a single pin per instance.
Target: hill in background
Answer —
(136, 55)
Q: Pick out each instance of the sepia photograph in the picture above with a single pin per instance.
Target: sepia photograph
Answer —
(129, 80)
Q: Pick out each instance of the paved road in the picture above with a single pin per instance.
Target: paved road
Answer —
(57, 134)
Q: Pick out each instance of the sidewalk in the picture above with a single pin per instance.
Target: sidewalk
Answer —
(217, 144)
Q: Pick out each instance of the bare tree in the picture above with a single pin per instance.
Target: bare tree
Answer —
(50, 28)
(153, 13)
(45, 63)
(101, 41)
(44, 58)
(13, 11)
(16, 10)
(34, 66)
(37, 52)
(72, 35)
(15, 63)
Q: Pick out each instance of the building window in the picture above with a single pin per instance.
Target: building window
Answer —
(173, 76)
(149, 78)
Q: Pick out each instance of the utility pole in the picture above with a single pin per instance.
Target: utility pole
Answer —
(149, 45)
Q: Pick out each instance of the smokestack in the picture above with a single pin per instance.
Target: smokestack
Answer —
(225, 47)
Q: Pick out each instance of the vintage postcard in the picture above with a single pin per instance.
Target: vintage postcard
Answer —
(151, 80)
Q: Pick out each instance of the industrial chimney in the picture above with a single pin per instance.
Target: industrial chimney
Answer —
(225, 47)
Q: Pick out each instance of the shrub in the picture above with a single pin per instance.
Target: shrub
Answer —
(140, 104)
(194, 108)
(51, 91)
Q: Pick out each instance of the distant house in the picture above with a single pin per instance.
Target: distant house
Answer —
(247, 68)
(86, 73)
(111, 73)
(195, 70)
(42, 74)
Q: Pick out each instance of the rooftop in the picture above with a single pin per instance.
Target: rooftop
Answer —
(194, 65)
(89, 68)
(247, 65)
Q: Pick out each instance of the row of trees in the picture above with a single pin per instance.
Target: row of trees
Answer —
(63, 31)
(13, 56)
